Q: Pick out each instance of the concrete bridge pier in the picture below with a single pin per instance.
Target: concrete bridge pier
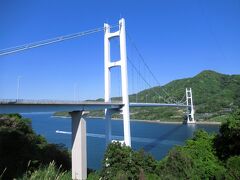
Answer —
(79, 146)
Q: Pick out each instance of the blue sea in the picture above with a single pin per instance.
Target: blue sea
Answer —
(155, 138)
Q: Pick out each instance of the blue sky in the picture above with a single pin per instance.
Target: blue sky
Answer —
(177, 39)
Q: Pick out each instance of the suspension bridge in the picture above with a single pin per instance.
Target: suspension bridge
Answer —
(77, 109)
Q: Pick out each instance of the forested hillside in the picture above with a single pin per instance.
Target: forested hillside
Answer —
(215, 95)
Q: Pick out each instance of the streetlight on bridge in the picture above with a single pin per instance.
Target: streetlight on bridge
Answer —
(18, 86)
(76, 92)
(146, 97)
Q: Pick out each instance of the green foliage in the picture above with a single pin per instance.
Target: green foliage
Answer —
(227, 143)
(195, 160)
(16, 122)
(117, 158)
(48, 172)
(122, 162)
(233, 168)
(177, 165)
(203, 154)
(20, 145)
(157, 113)
(57, 152)
(151, 177)
(214, 95)
(62, 113)
(93, 176)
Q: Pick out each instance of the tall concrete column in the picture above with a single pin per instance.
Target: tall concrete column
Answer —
(79, 147)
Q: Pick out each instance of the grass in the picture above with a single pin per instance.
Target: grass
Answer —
(50, 172)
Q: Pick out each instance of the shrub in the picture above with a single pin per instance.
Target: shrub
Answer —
(227, 143)
(233, 168)
(20, 145)
(195, 160)
(176, 165)
(122, 162)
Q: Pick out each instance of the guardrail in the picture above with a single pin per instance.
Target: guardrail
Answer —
(49, 101)
(40, 101)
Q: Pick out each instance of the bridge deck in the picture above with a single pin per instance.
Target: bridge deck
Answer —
(156, 105)
(26, 106)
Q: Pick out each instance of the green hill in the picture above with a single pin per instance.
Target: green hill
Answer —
(214, 95)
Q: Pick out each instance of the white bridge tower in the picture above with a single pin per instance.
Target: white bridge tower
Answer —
(122, 63)
(190, 109)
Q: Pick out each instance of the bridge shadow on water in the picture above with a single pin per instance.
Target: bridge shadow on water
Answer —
(161, 138)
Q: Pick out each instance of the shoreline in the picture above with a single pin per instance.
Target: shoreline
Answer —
(150, 121)
(64, 117)
(175, 122)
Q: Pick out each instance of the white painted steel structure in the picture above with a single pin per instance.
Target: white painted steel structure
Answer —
(190, 108)
(122, 63)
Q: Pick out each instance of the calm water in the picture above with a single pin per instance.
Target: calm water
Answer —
(155, 138)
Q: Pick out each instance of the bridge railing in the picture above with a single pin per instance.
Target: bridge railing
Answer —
(50, 101)
(34, 101)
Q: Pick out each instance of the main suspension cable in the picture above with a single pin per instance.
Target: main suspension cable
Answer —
(144, 62)
(15, 49)
(140, 75)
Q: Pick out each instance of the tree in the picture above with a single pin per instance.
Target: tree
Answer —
(203, 154)
(195, 160)
(22, 149)
(122, 162)
(233, 168)
(177, 165)
(227, 143)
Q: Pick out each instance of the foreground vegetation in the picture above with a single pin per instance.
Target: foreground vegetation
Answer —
(48, 172)
(22, 150)
(205, 156)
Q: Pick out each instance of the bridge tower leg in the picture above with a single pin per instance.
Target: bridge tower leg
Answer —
(108, 116)
(190, 108)
(79, 147)
(122, 63)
